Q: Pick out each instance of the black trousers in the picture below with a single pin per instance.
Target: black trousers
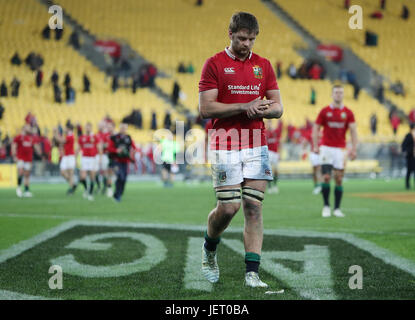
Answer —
(410, 168)
(121, 172)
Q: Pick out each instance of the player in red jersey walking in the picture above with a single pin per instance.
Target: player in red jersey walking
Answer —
(22, 152)
(273, 140)
(68, 161)
(335, 120)
(231, 89)
(90, 146)
(103, 159)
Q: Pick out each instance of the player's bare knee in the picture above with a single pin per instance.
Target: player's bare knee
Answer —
(228, 210)
(252, 209)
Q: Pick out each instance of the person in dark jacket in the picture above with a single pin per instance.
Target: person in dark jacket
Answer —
(408, 147)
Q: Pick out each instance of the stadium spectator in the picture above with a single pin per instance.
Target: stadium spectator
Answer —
(70, 94)
(379, 89)
(39, 78)
(347, 4)
(181, 68)
(383, 4)
(1, 111)
(57, 93)
(278, 69)
(373, 124)
(292, 71)
(343, 75)
(67, 80)
(58, 34)
(114, 85)
(135, 118)
(356, 90)
(199, 3)
(54, 79)
(153, 125)
(398, 89)
(3, 89)
(315, 72)
(87, 83)
(190, 69)
(395, 122)
(135, 82)
(405, 12)
(313, 96)
(152, 73)
(74, 40)
(15, 60)
(15, 85)
(376, 15)
(167, 121)
(30, 119)
(175, 93)
(46, 32)
(411, 116)
(408, 147)
(34, 61)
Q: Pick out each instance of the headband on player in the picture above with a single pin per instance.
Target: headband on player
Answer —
(249, 193)
(228, 195)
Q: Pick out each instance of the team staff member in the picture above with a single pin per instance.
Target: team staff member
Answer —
(22, 153)
(231, 89)
(408, 147)
(335, 120)
(121, 150)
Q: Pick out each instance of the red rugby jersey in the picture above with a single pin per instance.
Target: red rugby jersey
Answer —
(238, 82)
(335, 122)
(25, 145)
(68, 146)
(104, 138)
(273, 139)
(89, 145)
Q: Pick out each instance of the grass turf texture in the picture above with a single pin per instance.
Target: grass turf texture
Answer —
(388, 224)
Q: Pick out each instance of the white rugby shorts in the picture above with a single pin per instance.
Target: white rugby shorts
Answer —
(231, 167)
(332, 156)
(104, 162)
(25, 165)
(315, 159)
(68, 163)
(88, 164)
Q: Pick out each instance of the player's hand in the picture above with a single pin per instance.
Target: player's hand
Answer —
(352, 154)
(255, 109)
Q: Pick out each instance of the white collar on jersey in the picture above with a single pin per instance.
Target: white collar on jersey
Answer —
(229, 53)
(331, 106)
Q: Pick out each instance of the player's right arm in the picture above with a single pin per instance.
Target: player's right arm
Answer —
(209, 107)
(315, 135)
(14, 150)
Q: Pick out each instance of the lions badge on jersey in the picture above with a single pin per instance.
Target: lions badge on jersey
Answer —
(257, 71)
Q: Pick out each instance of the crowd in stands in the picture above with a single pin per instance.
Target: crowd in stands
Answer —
(309, 69)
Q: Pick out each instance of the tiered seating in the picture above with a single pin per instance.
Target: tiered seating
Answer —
(393, 57)
(22, 23)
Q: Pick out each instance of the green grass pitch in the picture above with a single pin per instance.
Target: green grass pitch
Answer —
(149, 245)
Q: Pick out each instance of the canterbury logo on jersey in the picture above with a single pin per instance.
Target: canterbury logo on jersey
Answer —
(229, 70)
(337, 125)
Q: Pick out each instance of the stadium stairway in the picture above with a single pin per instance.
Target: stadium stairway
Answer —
(351, 61)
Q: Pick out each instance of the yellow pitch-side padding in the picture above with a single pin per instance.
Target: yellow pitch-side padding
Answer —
(8, 175)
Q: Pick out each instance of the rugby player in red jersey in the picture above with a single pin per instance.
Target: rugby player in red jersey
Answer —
(22, 152)
(89, 145)
(103, 160)
(273, 140)
(231, 89)
(68, 161)
(335, 120)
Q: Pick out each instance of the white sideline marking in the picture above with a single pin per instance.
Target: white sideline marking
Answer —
(193, 278)
(11, 295)
(88, 218)
(380, 253)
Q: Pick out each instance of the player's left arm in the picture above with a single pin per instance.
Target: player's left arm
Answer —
(353, 133)
(275, 109)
